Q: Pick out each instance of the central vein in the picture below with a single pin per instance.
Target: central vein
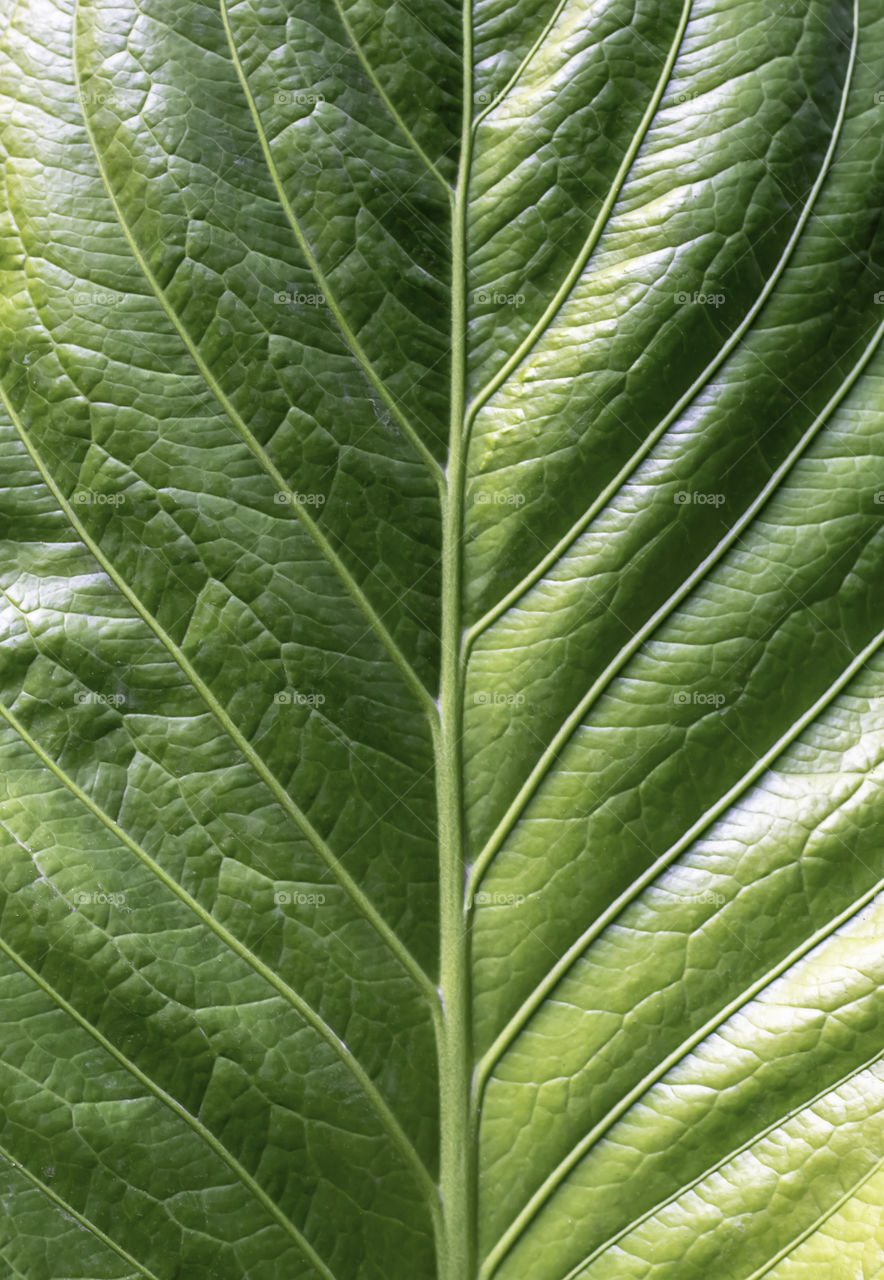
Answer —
(457, 1145)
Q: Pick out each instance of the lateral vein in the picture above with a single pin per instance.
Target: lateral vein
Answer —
(582, 523)
(576, 1272)
(565, 288)
(175, 1106)
(387, 100)
(575, 719)
(304, 1010)
(69, 1209)
(319, 275)
(529, 1007)
(346, 881)
(248, 437)
(566, 1166)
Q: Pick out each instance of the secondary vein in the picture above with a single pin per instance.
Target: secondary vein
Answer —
(70, 1211)
(575, 719)
(567, 285)
(304, 1010)
(319, 275)
(582, 1148)
(689, 396)
(387, 100)
(299, 509)
(175, 1106)
(346, 881)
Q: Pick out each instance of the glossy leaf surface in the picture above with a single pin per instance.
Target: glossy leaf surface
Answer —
(441, 682)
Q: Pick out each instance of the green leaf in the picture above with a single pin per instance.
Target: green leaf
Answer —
(441, 682)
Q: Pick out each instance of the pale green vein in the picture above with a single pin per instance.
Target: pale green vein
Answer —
(387, 100)
(71, 1212)
(577, 1272)
(575, 719)
(567, 1165)
(582, 523)
(533, 1002)
(819, 1222)
(522, 67)
(458, 1142)
(319, 275)
(299, 509)
(304, 1010)
(193, 1122)
(344, 879)
(567, 285)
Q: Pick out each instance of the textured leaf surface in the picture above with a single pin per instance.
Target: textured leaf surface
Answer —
(441, 683)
